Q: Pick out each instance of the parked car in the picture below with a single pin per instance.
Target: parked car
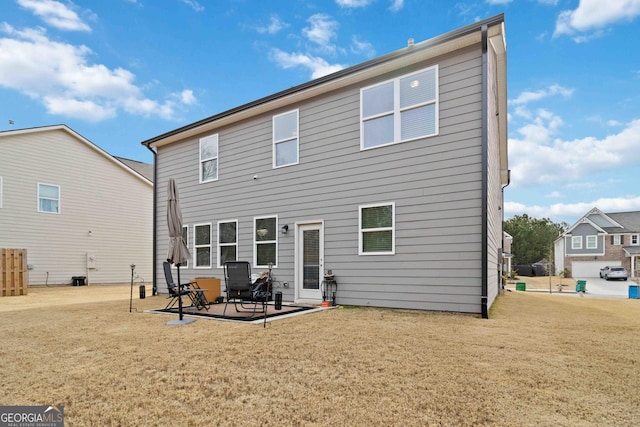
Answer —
(609, 272)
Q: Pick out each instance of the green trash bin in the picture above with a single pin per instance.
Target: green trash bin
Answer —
(581, 286)
(521, 286)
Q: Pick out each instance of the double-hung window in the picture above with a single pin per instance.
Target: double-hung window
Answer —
(227, 242)
(634, 239)
(48, 198)
(265, 241)
(202, 245)
(616, 239)
(377, 229)
(400, 110)
(209, 158)
(576, 242)
(285, 139)
(592, 242)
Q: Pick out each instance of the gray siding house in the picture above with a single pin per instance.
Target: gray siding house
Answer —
(77, 210)
(598, 240)
(389, 173)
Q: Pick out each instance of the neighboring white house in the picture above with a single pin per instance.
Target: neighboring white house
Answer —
(76, 209)
(598, 240)
(389, 173)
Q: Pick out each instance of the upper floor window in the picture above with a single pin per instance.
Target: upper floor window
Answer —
(616, 239)
(285, 139)
(377, 229)
(592, 242)
(634, 239)
(48, 198)
(400, 110)
(227, 242)
(265, 241)
(576, 242)
(209, 158)
(202, 245)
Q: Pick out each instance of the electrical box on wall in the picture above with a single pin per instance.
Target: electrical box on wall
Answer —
(91, 261)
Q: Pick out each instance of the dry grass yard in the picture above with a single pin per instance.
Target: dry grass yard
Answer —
(541, 360)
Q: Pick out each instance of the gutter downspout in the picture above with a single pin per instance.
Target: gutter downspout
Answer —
(485, 179)
(155, 198)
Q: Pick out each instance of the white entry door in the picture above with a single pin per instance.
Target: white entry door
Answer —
(309, 261)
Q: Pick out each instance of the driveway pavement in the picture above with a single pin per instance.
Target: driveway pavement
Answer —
(598, 287)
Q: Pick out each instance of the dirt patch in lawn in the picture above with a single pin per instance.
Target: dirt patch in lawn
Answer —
(539, 360)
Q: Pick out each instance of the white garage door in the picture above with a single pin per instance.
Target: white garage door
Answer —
(584, 269)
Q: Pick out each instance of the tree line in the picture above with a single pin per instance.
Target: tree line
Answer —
(532, 238)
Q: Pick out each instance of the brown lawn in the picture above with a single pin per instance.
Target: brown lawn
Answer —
(541, 360)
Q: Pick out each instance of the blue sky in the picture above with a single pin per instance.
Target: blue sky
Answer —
(122, 71)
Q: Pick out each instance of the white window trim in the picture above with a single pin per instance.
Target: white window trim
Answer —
(590, 239)
(397, 131)
(59, 198)
(392, 228)
(195, 246)
(576, 242)
(219, 245)
(617, 239)
(276, 142)
(216, 158)
(255, 242)
(637, 238)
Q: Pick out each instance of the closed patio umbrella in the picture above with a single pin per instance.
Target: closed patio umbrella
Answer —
(178, 251)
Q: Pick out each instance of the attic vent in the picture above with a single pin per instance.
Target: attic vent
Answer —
(410, 42)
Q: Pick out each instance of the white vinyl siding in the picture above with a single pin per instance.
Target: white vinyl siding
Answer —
(209, 158)
(399, 110)
(285, 139)
(48, 198)
(0, 192)
(227, 242)
(576, 242)
(592, 242)
(265, 241)
(202, 245)
(376, 229)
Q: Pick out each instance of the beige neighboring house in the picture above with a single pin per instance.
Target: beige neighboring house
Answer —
(76, 209)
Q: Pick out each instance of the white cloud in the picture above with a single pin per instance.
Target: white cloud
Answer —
(593, 16)
(528, 96)
(353, 3)
(187, 97)
(55, 14)
(396, 5)
(362, 48)
(538, 157)
(571, 212)
(501, 2)
(554, 195)
(59, 76)
(549, 2)
(194, 5)
(275, 25)
(322, 31)
(318, 66)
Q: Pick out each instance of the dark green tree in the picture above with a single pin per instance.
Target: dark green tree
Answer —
(532, 238)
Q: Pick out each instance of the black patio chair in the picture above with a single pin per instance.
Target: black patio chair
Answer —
(190, 289)
(241, 290)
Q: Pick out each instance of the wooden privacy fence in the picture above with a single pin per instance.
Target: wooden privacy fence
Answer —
(13, 272)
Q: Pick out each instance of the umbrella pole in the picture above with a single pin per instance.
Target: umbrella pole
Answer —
(179, 291)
